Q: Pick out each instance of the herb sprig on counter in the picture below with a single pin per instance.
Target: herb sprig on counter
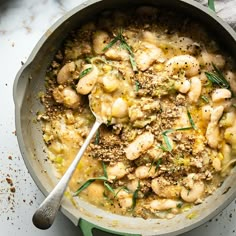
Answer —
(123, 44)
(217, 77)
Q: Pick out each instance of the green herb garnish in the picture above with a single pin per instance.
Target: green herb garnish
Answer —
(97, 138)
(159, 162)
(104, 170)
(88, 60)
(179, 205)
(168, 147)
(184, 128)
(135, 196)
(108, 122)
(137, 85)
(104, 178)
(113, 41)
(122, 188)
(205, 99)
(191, 120)
(109, 187)
(167, 142)
(133, 63)
(87, 183)
(166, 139)
(216, 77)
(124, 45)
(85, 72)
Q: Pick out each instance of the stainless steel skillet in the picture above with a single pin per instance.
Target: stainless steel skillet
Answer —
(30, 81)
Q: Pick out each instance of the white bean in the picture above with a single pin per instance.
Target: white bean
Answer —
(183, 86)
(206, 112)
(126, 202)
(230, 134)
(95, 190)
(133, 184)
(67, 96)
(216, 163)
(231, 78)
(163, 204)
(213, 132)
(119, 108)
(186, 62)
(163, 188)
(228, 119)
(143, 172)
(149, 37)
(147, 55)
(227, 154)
(220, 94)
(209, 58)
(86, 83)
(105, 110)
(141, 144)
(124, 198)
(193, 194)
(116, 171)
(65, 73)
(117, 54)
(100, 41)
(110, 83)
(195, 89)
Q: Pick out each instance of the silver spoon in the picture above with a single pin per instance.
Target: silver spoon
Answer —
(44, 216)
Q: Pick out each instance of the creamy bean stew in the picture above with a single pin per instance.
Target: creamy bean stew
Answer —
(167, 94)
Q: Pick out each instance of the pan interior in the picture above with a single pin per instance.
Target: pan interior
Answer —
(31, 83)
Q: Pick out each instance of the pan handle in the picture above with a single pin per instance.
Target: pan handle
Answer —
(87, 228)
(211, 5)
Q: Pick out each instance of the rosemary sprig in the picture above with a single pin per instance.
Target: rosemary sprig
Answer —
(135, 196)
(184, 128)
(159, 162)
(104, 178)
(97, 138)
(217, 77)
(137, 85)
(104, 170)
(109, 187)
(85, 72)
(113, 41)
(122, 188)
(191, 120)
(205, 99)
(124, 45)
(87, 183)
(168, 147)
(179, 205)
(133, 63)
(166, 140)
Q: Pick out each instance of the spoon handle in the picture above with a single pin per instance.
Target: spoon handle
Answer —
(43, 217)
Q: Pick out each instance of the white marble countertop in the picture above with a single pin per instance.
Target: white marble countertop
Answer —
(22, 23)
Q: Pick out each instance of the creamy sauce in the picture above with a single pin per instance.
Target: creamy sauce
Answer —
(155, 77)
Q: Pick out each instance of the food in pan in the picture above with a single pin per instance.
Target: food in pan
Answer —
(166, 91)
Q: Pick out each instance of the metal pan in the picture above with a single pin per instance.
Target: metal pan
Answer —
(30, 81)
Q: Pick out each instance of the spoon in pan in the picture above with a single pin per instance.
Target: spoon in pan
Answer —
(44, 216)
